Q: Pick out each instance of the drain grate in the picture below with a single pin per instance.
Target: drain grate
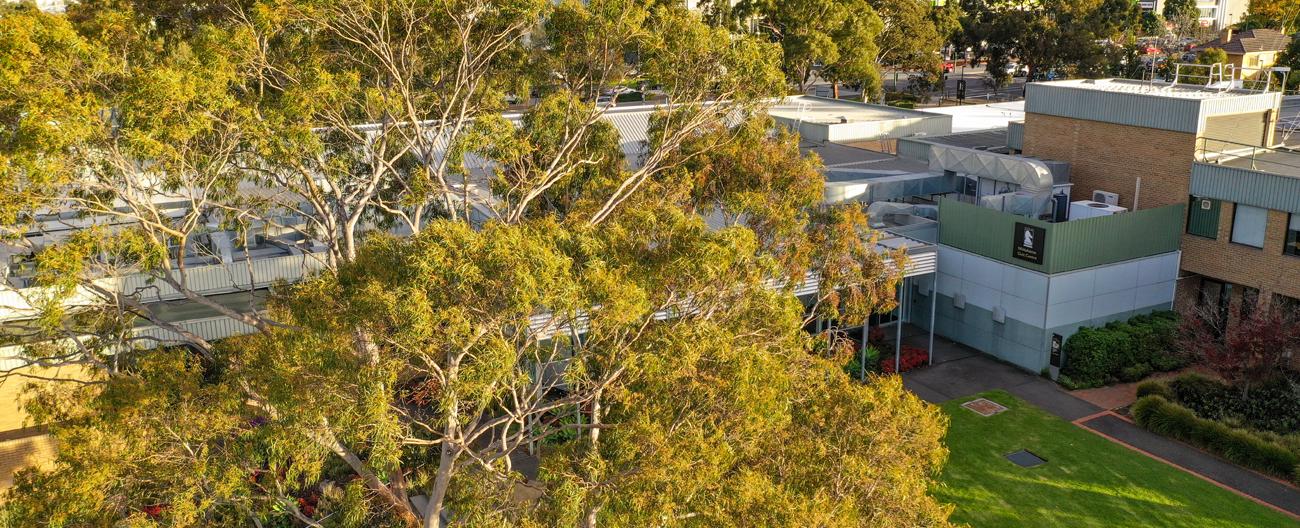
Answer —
(1025, 459)
(984, 407)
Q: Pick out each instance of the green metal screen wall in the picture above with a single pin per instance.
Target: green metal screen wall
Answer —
(1201, 221)
(1070, 245)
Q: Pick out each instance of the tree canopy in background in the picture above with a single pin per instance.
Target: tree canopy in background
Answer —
(563, 336)
(1282, 15)
(1051, 34)
(817, 37)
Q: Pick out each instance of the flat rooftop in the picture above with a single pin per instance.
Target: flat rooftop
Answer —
(991, 140)
(846, 162)
(1273, 161)
(967, 118)
(1155, 89)
(827, 111)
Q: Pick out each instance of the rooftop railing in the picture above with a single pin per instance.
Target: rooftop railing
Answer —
(1278, 160)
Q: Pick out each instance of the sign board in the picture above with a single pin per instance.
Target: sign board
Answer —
(1055, 358)
(1029, 243)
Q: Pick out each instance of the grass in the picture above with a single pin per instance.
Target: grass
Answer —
(1088, 480)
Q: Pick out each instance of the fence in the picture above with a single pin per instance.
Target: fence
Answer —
(1067, 246)
(20, 303)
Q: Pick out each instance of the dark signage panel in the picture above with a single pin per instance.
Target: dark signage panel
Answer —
(1029, 243)
(1055, 358)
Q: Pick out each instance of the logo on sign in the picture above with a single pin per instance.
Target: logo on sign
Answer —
(1029, 243)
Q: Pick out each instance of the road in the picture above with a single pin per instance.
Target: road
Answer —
(1289, 121)
(975, 87)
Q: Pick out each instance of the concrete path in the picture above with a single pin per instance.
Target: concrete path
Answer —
(959, 371)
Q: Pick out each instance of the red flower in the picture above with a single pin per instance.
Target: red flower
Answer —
(910, 357)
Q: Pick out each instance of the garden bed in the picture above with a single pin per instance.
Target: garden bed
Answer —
(1258, 429)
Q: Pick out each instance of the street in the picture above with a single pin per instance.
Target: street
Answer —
(976, 89)
(1288, 123)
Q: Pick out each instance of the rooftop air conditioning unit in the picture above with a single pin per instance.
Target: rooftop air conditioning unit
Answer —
(1089, 209)
(1108, 198)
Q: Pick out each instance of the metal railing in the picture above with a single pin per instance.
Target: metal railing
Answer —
(1268, 159)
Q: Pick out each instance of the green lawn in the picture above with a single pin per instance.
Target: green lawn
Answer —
(1087, 481)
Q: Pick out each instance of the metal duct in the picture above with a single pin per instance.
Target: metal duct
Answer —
(1032, 175)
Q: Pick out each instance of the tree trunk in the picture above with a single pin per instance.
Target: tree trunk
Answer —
(441, 482)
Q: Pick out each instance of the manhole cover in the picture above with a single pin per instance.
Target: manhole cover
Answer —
(1026, 459)
(984, 407)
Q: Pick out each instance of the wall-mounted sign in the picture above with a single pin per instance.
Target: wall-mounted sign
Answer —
(1029, 243)
(1055, 358)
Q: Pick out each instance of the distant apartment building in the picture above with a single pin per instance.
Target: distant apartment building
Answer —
(1213, 13)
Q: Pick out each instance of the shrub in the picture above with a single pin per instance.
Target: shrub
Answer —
(1093, 355)
(1134, 372)
(1273, 407)
(854, 366)
(1160, 416)
(1123, 351)
(1149, 388)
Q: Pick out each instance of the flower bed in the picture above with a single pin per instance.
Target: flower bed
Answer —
(911, 358)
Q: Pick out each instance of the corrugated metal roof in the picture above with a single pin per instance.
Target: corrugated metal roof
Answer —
(1180, 108)
(1246, 186)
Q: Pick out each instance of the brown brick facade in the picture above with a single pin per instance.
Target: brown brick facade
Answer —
(21, 444)
(1110, 157)
(1267, 269)
(22, 453)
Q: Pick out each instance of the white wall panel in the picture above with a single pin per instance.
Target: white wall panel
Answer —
(1071, 287)
(1117, 277)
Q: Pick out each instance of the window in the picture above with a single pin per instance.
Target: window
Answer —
(1292, 245)
(1203, 217)
(1248, 225)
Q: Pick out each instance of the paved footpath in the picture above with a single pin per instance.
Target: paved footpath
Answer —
(959, 371)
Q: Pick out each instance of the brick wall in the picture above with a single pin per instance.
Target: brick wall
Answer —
(21, 444)
(21, 453)
(1267, 269)
(1110, 157)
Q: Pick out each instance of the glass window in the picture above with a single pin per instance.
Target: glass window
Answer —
(1292, 246)
(1248, 225)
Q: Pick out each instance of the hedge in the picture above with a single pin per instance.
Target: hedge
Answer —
(1122, 351)
(1271, 407)
(1160, 416)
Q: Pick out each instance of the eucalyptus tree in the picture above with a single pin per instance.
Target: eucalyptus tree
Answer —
(544, 292)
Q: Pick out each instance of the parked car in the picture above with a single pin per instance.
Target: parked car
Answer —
(1016, 70)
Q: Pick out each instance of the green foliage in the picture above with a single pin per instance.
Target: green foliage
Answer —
(1212, 56)
(1290, 57)
(425, 365)
(1154, 388)
(1272, 407)
(1064, 35)
(1162, 417)
(1153, 23)
(1283, 15)
(836, 39)
(1126, 351)
(1180, 9)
